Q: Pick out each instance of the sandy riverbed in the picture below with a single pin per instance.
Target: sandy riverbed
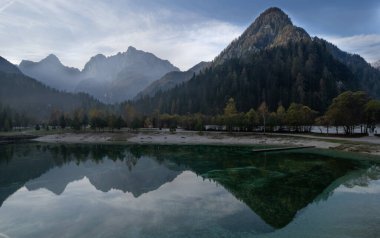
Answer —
(213, 138)
(190, 138)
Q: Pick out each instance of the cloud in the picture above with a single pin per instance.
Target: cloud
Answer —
(3, 235)
(77, 30)
(6, 5)
(83, 208)
(368, 46)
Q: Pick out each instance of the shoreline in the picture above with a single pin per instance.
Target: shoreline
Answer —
(358, 145)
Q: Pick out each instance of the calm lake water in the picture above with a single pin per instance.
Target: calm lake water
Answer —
(185, 191)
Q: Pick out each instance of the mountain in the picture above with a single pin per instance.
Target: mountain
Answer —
(29, 96)
(110, 79)
(52, 72)
(377, 65)
(18, 168)
(107, 176)
(367, 77)
(120, 77)
(255, 182)
(272, 61)
(7, 67)
(53, 167)
(272, 28)
(172, 79)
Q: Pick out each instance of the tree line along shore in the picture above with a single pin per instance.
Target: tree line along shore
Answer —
(349, 110)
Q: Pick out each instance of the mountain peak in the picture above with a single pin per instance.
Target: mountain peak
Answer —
(51, 59)
(274, 10)
(133, 52)
(273, 18)
(131, 48)
(272, 28)
(98, 57)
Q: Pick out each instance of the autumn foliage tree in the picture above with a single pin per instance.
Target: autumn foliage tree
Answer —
(230, 114)
(348, 110)
(372, 113)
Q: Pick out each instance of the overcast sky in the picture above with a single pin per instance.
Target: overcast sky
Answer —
(182, 31)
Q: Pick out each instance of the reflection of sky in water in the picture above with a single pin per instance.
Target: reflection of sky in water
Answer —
(351, 211)
(144, 192)
(187, 203)
(373, 187)
(348, 215)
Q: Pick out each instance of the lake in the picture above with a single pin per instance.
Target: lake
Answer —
(53, 190)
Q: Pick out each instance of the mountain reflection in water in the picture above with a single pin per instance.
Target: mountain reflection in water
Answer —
(274, 187)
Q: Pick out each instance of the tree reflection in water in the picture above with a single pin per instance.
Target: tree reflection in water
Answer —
(275, 186)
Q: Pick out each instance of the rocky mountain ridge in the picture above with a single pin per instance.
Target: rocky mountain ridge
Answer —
(272, 28)
(110, 79)
(52, 72)
(27, 95)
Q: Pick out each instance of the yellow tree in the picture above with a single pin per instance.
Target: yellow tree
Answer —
(230, 113)
(280, 116)
(252, 118)
(129, 114)
(263, 111)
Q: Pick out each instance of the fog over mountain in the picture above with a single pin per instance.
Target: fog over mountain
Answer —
(110, 79)
(172, 79)
(120, 77)
(52, 72)
(35, 99)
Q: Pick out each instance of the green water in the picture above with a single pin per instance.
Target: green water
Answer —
(185, 191)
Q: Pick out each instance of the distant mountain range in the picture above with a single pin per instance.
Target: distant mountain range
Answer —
(143, 169)
(110, 79)
(111, 175)
(27, 95)
(52, 72)
(272, 61)
(52, 170)
(122, 76)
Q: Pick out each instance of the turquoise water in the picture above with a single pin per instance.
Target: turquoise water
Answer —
(185, 191)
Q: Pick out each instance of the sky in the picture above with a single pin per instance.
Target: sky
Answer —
(184, 32)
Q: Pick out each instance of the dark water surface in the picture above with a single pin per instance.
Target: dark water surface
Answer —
(185, 191)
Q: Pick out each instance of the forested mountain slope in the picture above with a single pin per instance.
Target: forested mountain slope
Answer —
(51, 72)
(272, 61)
(303, 72)
(172, 79)
(26, 95)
